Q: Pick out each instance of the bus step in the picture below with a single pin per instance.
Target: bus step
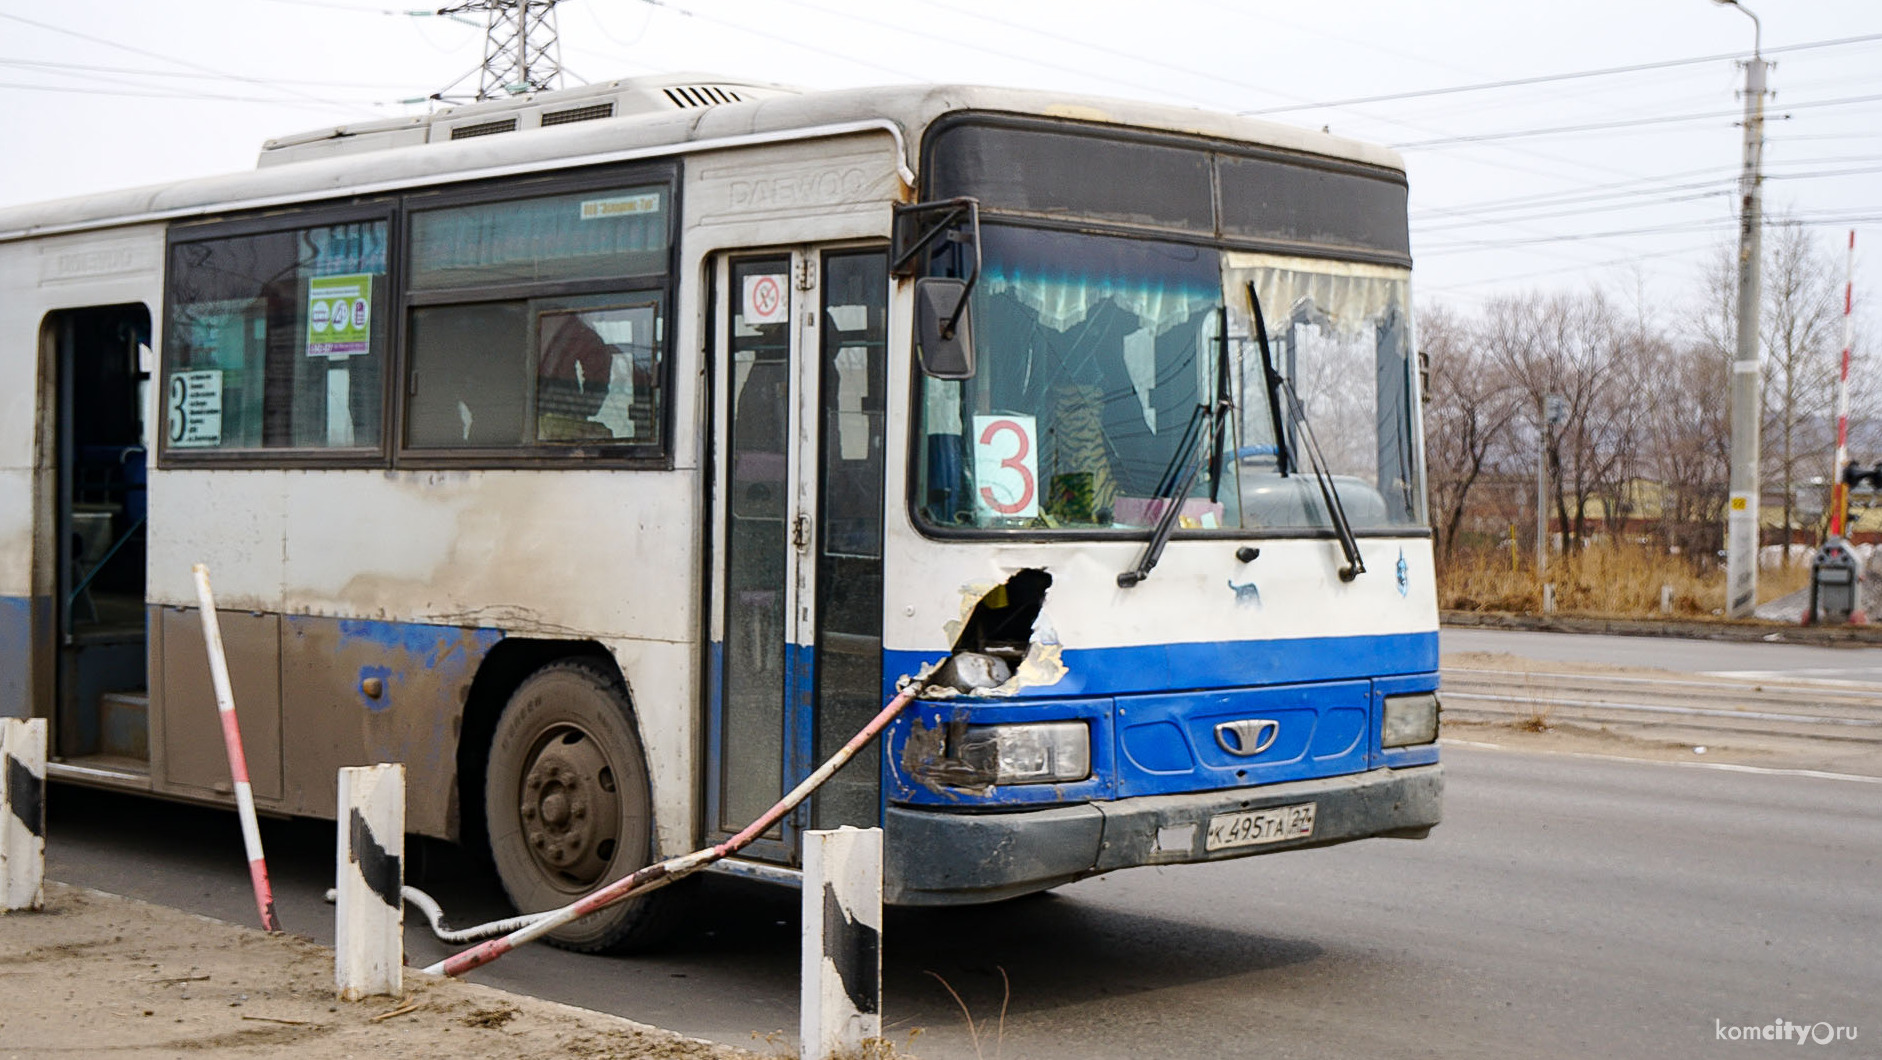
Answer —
(125, 724)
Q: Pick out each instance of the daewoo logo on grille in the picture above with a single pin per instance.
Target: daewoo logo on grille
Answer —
(1247, 736)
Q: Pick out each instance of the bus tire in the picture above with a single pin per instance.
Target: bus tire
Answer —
(568, 807)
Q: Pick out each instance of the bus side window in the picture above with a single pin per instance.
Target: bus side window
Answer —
(277, 340)
(468, 384)
(509, 351)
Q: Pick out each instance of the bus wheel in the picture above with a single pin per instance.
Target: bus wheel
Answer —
(568, 807)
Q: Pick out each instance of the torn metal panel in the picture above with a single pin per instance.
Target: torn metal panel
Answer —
(1003, 642)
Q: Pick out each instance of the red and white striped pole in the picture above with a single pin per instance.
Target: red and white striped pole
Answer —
(1839, 490)
(238, 762)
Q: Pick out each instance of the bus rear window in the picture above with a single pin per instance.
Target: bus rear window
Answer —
(277, 340)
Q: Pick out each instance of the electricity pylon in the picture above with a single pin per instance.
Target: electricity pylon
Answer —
(520, 49)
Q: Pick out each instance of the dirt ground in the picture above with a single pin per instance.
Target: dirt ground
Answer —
(95, 975)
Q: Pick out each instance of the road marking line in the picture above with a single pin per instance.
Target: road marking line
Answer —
(1728, 767)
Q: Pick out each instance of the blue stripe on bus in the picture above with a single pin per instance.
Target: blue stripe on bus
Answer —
(1153, 732)
(16, 656)
(1220, 664)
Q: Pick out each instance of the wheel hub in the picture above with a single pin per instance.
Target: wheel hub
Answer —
(570, 810)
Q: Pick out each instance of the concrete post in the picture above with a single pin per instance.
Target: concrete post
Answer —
(22, 813)
(842, 959)
(1741, 520)
(369, 911)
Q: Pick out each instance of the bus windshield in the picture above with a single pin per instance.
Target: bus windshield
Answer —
(1095, 355)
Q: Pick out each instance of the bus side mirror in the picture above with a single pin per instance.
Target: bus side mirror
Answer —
(944, 329)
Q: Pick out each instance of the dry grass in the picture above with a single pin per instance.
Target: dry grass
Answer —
(1607, 580)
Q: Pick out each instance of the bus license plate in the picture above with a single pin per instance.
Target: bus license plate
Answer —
(1252, 827)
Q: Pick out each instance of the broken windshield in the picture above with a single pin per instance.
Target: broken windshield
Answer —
(1095, 353)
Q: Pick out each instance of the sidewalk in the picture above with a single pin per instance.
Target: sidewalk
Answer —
(95, 973)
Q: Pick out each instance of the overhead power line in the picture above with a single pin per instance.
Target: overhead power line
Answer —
(1573, 75)
(257, 81)
(1599, 126)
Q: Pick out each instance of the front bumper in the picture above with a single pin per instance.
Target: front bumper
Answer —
(942, 858)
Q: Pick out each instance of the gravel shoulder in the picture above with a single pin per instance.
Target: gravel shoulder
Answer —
(96, 974)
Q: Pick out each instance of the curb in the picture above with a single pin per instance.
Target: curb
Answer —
(1768, 632)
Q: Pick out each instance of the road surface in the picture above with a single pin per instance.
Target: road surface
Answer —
(1567, 907)
(1718, 658)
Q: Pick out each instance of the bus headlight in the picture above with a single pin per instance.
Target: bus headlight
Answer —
(1051, 752)
(1410, 720)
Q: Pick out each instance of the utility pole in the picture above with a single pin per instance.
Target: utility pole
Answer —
(521, 53)
(1741, 523)
(1551, 411)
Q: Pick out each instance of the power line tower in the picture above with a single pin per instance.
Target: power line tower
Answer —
(520, 49)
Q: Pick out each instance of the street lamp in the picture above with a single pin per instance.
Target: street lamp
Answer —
(1757, 28)
(1741, 521)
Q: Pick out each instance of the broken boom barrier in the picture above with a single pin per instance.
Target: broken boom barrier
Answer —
(841, 993)
(22, 813)
(232, 742)
(369, 877)
(661, 873)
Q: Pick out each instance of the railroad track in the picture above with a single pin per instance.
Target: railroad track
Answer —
(1675, 705)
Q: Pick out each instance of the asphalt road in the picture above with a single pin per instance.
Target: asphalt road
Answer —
(1715, 657)
(1567, 907)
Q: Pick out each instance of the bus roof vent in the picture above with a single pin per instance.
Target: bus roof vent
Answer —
(488, 128)
(616, 100)
(574, 114)
(701, 95)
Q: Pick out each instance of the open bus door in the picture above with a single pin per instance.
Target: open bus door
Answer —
(100, 358)
(799, 375)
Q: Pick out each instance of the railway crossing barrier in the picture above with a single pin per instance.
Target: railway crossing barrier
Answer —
(22, 813)
(369, 910)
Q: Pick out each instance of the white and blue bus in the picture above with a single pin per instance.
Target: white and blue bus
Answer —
(608, 457)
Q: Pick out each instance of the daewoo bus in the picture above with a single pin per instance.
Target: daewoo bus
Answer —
(608, 456)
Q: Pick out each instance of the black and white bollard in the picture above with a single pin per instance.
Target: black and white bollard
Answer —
(369, 911)
(842, 960)
(22, 813)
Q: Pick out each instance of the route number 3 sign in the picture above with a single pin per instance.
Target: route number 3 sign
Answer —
(1006, 467)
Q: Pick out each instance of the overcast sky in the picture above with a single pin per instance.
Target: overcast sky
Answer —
(1507, 192)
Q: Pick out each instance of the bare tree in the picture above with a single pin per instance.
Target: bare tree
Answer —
(1569, 347)
(1802, 332)
(1468, 421)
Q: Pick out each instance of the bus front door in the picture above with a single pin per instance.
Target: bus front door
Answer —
(796, 653)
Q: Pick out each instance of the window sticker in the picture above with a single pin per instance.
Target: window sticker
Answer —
(621, 206)
(766, 301)
(339, 315)
(1006, 467)
(195, 418)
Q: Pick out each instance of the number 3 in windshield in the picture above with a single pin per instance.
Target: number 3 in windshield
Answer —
(1009, 483)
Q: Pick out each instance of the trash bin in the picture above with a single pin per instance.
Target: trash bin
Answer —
(1835, 584)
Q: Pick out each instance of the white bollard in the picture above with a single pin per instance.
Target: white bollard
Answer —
(1666, 599)
(369, 911)
(842, 960)
(1548, 599)
(22, 813)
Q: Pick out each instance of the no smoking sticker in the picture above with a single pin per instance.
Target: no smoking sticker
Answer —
(766, 301)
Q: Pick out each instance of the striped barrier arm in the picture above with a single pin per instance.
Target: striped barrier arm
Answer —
(238, 763)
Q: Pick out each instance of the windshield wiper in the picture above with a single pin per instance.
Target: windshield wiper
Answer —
(1281, 387)
(1206, 423)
